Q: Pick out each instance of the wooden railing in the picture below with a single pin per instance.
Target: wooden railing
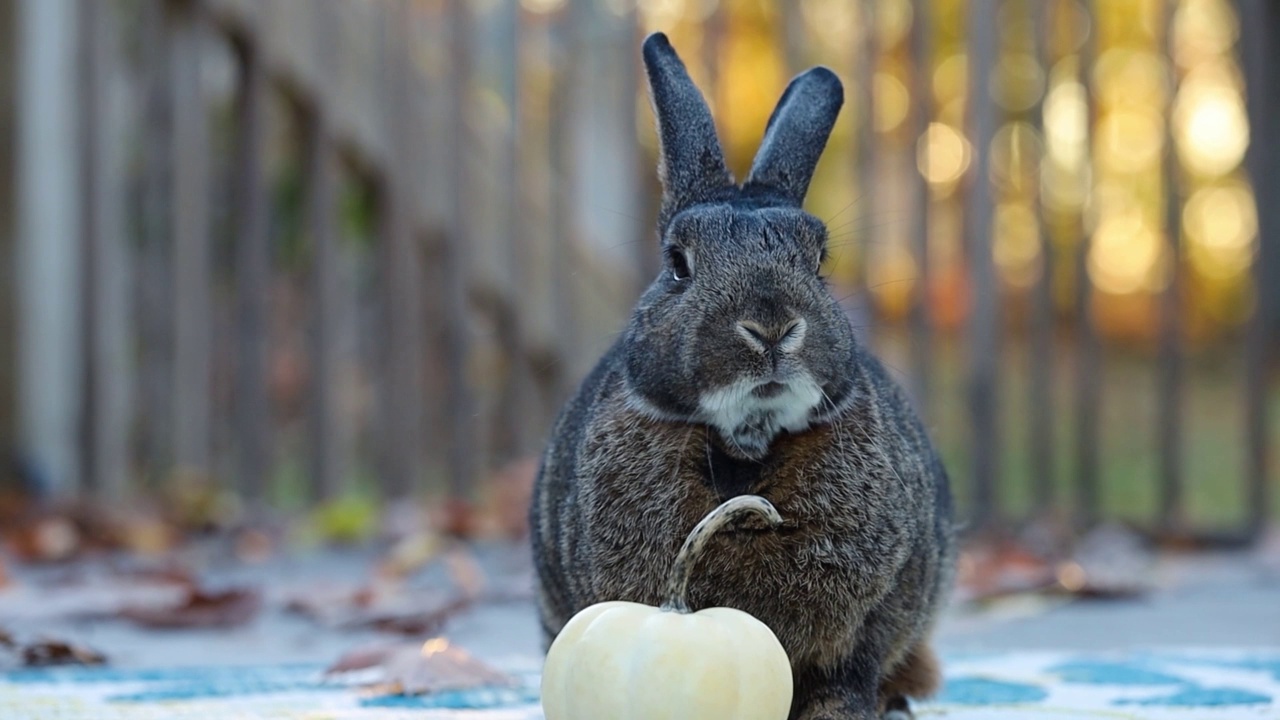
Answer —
(303, 246)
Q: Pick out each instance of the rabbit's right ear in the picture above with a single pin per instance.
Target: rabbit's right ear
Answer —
(691, 165)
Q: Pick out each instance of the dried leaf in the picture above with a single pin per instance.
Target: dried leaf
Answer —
(998, 569)
(410, 554)
(45, 653)
(507, 510)
(49, 539)
(438, 666)
(346, 520)
(383, 608)
(254, 546)
(465, 571)
(146, 535)
(425, 622)
(200, 609)
(364, 658)
(457, 518)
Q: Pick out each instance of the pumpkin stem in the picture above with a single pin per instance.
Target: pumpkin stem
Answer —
(729, 512)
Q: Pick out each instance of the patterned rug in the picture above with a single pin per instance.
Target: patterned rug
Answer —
(1199, 685)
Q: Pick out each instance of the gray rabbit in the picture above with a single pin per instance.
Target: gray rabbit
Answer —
(739, 373)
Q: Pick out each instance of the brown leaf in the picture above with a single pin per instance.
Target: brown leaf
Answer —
(45, 653)
(384, 607)
(465, 571)
(254, 546)
(458, 518)
(48, 539)
(362, 659)
(510, 492)
(200, 609)
(409, 554)
(993, 570)
(438, 666)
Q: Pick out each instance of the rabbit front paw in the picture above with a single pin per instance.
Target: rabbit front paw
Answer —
(897, 708)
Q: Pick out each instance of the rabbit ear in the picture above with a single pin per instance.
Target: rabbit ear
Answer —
(797, 134)
(691, 165)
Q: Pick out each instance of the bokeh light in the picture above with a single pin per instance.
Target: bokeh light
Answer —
(1222, 223)
(945, 155)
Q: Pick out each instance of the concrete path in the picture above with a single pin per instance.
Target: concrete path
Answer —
(1208, 639)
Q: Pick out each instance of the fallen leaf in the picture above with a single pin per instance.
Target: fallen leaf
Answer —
(146, 535)
(363, 658)
(465, 571)
(383, 607)
(506, 511)
(254, 546)
(199, 609)
(48, 539)
(997, 569)
(46, 652)
(458, 518)
(421, 623)
(410, 554)
(346, 520)
(439, 666)
(195, 502)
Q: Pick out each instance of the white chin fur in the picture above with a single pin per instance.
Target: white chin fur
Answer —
(753, 422)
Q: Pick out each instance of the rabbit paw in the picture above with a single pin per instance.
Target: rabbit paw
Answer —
(897, 709)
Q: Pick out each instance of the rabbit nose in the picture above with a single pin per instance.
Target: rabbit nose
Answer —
(785, 338)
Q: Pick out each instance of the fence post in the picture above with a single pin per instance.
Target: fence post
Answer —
(564, 235)
(153, 288)
(1040, 392)
(1169, 380)
(192, 316)
(515, 406)
(919, 316)
(401, 388)
(865, 165)
(984, 312)
(1259, 20)
(462, 455)
(46, 260)
(327, 435)
(1088, 352)
(8, 347)
(106, 421)
(253, 274)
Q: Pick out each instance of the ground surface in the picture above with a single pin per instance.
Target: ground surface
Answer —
(1206, 644)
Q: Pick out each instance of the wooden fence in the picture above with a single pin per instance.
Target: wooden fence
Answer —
(326, 244)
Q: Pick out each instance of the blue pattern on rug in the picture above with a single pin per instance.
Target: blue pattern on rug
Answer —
(1198, 697)
(981, 691)
(996, 686)
(1111, 673)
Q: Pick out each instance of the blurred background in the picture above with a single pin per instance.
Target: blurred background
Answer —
(262, 258)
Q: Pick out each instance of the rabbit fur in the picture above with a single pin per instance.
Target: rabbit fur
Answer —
(739, 373)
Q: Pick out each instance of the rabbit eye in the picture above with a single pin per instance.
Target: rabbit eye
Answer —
(679, 264)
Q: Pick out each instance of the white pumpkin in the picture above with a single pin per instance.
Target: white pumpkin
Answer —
(627, 661)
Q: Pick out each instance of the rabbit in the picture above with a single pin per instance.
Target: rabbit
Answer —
(737, 373)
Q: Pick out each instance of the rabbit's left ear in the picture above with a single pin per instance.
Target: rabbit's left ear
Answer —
(796, 135)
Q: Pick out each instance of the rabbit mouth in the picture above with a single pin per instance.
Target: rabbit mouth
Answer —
(749, 413)
(771, 389)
